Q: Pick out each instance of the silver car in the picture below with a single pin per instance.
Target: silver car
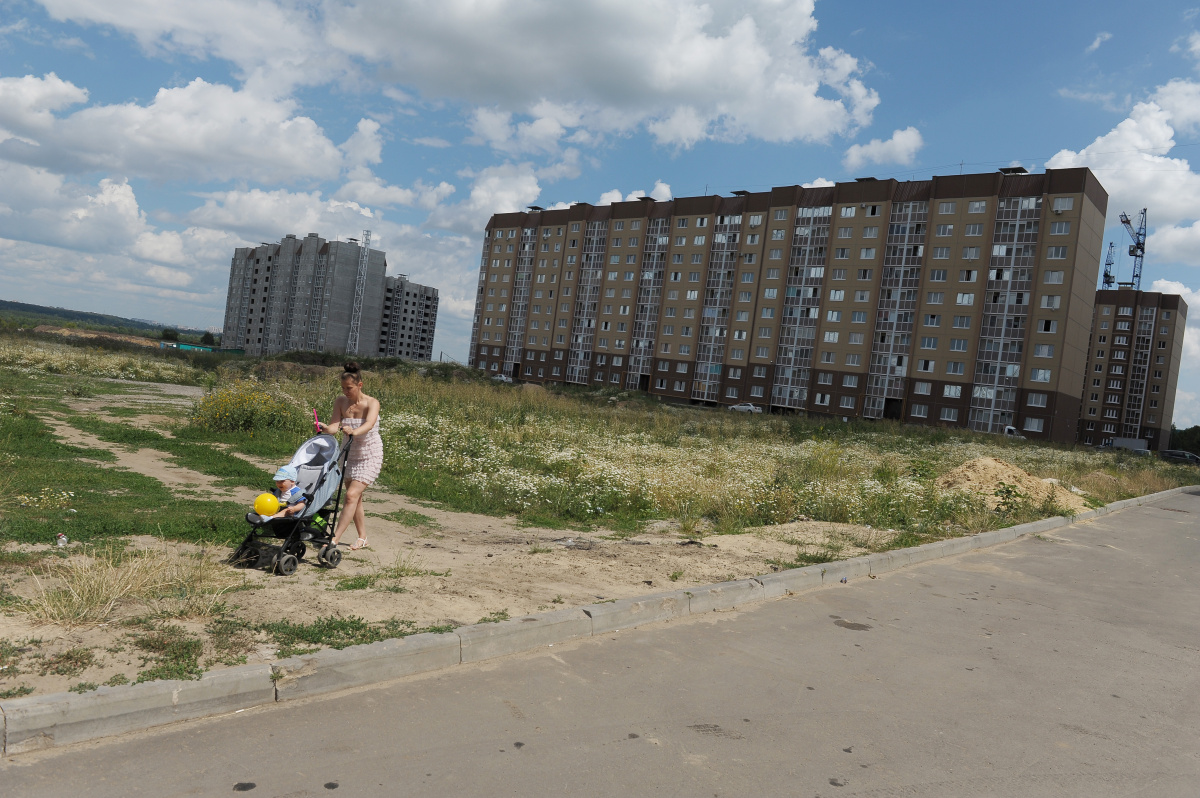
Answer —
(745, 407)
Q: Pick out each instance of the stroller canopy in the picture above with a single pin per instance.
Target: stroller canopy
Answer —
(316, 451)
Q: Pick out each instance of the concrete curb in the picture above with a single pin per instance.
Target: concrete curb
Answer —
(40, 722)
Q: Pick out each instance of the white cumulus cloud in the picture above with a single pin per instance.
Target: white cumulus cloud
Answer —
(901, 148)
(1100, 39)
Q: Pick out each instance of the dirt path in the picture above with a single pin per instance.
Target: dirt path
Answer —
(438, 567)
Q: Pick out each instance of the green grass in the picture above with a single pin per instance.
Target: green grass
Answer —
(108, 503)
(16, 692)
(83, 687)
(334, 632)
(411, 518)
(170, 653)
(71, 662)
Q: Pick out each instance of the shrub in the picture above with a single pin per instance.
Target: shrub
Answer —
(247, 406)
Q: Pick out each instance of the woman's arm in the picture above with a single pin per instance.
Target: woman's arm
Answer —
(369, 421)
(335, 424)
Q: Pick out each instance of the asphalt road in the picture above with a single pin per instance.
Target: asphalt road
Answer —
(1066, 665)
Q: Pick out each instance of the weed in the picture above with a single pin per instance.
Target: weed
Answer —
(557, 599)
(83, 687)
(16, 692)
(231, 639)
(674, 577)
(334, 632)
(406, 564)
(71, 662)
(172, 653)
(356, 582)
(539, 549)
(495, 617)
(117, 679)
(411, 518)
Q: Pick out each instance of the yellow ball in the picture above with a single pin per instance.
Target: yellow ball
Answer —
(266, 504)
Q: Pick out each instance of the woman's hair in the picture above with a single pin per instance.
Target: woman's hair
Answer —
(352, 371)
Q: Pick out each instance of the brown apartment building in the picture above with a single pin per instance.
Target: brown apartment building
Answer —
(1136, 344)
(963, 300)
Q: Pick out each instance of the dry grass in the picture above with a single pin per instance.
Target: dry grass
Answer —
(89, 588)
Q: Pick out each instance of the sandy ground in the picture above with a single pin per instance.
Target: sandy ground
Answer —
(461, 567)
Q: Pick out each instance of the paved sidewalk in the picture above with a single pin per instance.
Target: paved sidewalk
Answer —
(1060, 665)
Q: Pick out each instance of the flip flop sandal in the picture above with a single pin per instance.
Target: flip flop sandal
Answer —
(360, 544)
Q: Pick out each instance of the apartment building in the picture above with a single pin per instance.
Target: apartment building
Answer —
(1136, 345)
(962, 300)
(299, 295)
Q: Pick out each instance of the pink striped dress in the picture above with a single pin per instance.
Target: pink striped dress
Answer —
(366, 453)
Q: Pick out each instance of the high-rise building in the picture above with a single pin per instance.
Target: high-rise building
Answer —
(963, 300)
(299, 295)
(1133, 367)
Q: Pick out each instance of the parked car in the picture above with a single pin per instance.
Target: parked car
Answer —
(1011, 432)
(745, 407)
(502, 378)
(1180, 456)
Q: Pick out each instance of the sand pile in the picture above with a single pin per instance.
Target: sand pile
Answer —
(984, 475)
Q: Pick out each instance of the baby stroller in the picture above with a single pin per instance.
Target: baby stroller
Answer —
(319, 464)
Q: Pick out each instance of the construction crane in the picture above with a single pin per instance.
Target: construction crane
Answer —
(1109, 280)
(360, 289)
(1137, 250)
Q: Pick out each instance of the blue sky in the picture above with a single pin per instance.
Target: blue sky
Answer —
(141, 141)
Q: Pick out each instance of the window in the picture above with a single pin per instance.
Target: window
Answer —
(937, 275)
(841, 253)
(857, 338)
(1043, 350)
(1051, 301)
(847, 402)
(845, 232)
(970, 253)
(693, 295)
(941, 253)
(933, 320)
(935, 297)
(862, 296)
(756, 391)
(967, 275)
(946, 207)
(1063, 204)
(965, 299)
(923, 388)
(755, 219)
(768, 313)
(731, 392)
(823, 398)
(831, 337)
(973, 230)
(693, 277)
(827, 357)
(870, 232)
(833, 315)
(775, 254)
(847, 211)
(952, 391)
(949, 414)
(945, 230)
(866, 253)
(777, 235)
(929, 342)
(919, 411)
(1039, 375)
(955, 367)
(850, 381)
(837, 295)
(977, 206)
(781, 215)
(853, 360)
(925, 366)
(1053, 278)
(1034, 424)
(1060, 228)
(838, 274)
(865, 274)
(745, 296)
(772, 274)
(762, 351)
(824, 378)
(958, 344)
(858, 317)
(1056, 253)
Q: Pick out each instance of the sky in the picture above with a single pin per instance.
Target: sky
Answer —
(142, 141)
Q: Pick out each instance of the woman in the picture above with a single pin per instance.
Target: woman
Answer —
(357, 416)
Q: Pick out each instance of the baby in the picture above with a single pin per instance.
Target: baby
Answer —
(291, 498)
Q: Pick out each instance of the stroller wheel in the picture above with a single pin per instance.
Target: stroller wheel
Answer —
(331, 556)
(298, 549)
(241, 557)
(287, 564)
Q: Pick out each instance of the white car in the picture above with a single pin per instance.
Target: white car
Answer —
(745, 407)
(502, 378)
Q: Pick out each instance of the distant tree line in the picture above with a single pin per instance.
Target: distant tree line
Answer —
(1186, 439)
